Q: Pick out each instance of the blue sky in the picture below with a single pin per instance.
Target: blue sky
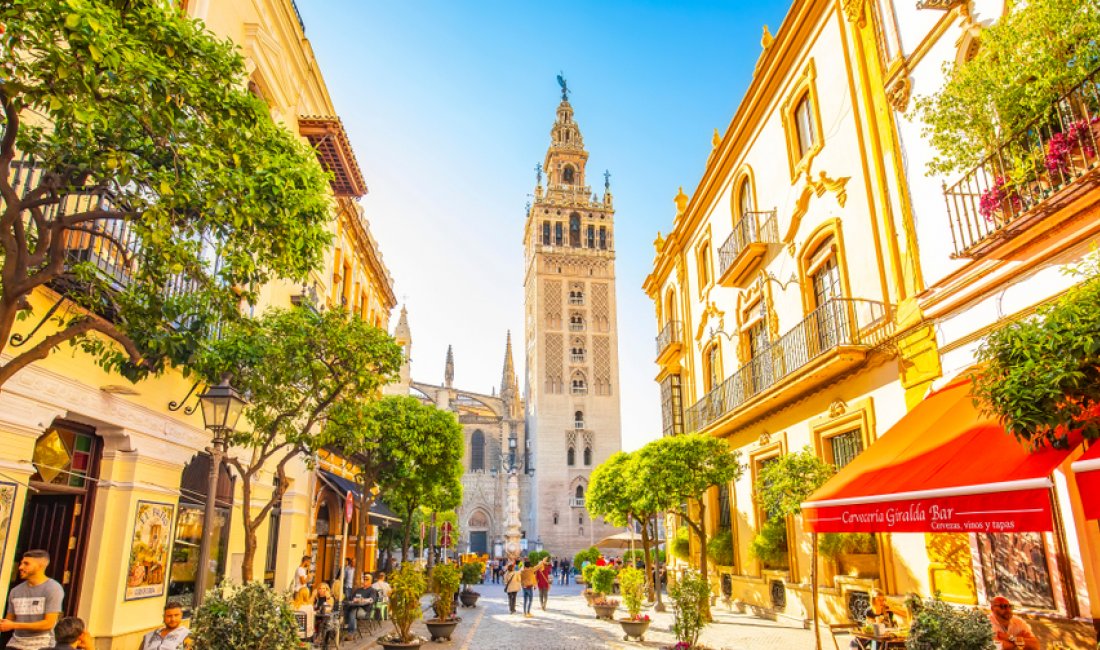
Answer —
(449, 107)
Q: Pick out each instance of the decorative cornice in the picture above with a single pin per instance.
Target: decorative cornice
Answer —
(898, 92)
(942, 5)
(853, 11)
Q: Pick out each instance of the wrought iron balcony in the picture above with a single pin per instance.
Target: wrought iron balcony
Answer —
(744, 249)
(839, 323)
(671, 336)
(1039, 170)
(576, 502)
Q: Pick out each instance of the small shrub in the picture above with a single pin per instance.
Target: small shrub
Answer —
(937, 624)
(590, 555)
(534, 557)
(655, 555)
(603, 579)
(690, 598)
(632, 588)
(720, 548)
(681, 544)
(833, 545)
(445, 580)
(586, 573)
(770, 544)
(245, 617)
(472, 573)
(407, 587)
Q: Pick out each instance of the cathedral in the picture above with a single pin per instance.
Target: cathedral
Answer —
(567, 420)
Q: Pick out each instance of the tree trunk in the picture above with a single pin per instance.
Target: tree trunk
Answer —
(366, 502)
(648, 564)
(431, 547)
(405, 539)
(701, 531)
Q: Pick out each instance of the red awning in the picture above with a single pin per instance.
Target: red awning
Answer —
(1087, 471)
(944, 467)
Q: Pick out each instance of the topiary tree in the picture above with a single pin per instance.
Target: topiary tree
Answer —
(691, 600)
(445, 581)
(472, 573)
(251, 616)
(603, 579)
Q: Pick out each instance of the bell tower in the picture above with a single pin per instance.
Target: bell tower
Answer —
(572, 382)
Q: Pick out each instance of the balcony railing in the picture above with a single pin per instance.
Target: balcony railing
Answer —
(1038, 170)
(752, 228)
(576, 502)
(838, 322)
(672, 333)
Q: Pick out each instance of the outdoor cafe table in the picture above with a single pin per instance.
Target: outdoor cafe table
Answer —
(887, 641)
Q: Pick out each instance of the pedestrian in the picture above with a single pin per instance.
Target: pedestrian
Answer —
(301, 575)
(348, 578)
(512, 583)
(528, 582)
(34, 605)
(543, 579)
(71, 634)
(382, 587)
(173, 636)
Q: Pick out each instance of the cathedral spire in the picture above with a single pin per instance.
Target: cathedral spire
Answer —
(402, 334)
(508, 377)
(449, 371)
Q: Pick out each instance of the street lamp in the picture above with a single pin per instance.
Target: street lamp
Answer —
(221, 408)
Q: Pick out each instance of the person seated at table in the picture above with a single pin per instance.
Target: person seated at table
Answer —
(322, 599)
(362, 598)
(878, 612)
(303, 604)
(1010, 632)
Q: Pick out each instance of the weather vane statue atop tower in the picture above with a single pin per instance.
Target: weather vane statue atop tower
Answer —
(564, 87)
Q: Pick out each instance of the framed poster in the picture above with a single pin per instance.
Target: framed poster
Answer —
(147, 572)
(7, 505)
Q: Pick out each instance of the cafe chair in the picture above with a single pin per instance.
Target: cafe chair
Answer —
(844, 629)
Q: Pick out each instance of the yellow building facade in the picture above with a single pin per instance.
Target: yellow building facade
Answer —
(106, 474)
(806, 297)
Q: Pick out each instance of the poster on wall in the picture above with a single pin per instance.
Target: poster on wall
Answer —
(7, 504)
(149, 550)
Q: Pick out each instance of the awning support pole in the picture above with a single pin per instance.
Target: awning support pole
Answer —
(813, 590)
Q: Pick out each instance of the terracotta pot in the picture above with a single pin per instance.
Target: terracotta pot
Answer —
(587, 596)
(634, 629)
(469, 598)
(605, 611)
(441, 629)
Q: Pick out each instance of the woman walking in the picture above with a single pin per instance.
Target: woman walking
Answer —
(528, 580)
(512, 584)
(543, 578)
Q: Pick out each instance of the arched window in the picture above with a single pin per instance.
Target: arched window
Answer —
(579, 384)
(576, 296)
(546, 233)
(579, 492)
(711, 368)
(804, 123)
(577, 351)
(590, 236)
(576, 322)
(824, 273)
(557, 233)
(587, 455)
(744, 199)
(477, 451)
(670, 306)
(578, 420)
(571, 457)
(575, 230)
(567, 173)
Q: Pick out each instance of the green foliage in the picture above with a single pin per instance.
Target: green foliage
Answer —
(473, 572)
(632, 589)
(586, 573)
(681, 543)
(637, 554)
(1041, 377)
(785, 482)
(691, 598)
(408, 586)
(588, 555)
(133, 99)
(603, 579)
(534, 557)
(720, 548)
(833, 545)
(300, 370)
(936, 624)
(445, 582)
(1028, 59)
(251, 616)
(770, 544)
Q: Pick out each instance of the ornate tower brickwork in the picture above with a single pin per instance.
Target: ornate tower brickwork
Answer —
(572, 408)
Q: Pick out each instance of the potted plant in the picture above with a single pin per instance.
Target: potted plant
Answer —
(603, 579)
(590, 555)
(586, 579)
(770, 544)
(632, 588)
(720, 548)
(855, 554)
(689, 598)
(936, 624)
(472, 574)
(445, 581)
(407, 586)
(251, 615)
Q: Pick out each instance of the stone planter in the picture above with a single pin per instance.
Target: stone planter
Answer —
(634, 630)
(469, 598)
(441, 629)
(605, 611)
(395, 645)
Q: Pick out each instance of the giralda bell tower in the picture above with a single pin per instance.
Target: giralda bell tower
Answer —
(572, 340)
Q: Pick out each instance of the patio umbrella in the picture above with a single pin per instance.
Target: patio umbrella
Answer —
(624, 540)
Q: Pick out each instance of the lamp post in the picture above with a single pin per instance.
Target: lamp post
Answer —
(221, 408)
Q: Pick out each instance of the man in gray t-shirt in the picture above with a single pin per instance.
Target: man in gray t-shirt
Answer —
(34, 605)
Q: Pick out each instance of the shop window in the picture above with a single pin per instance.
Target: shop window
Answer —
(1016, 565)
(189, 528)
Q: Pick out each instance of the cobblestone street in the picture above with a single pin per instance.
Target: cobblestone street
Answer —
(569, 624)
